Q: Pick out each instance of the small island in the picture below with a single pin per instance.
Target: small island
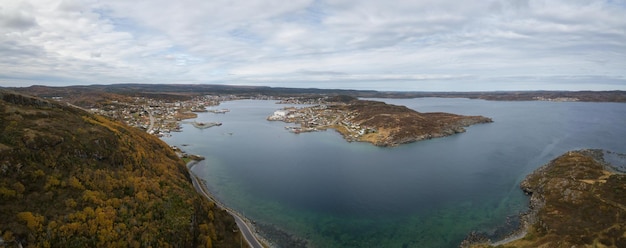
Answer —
(576, 200)
(203, 125)
(375, 122)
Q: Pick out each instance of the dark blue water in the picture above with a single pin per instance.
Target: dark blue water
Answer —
(426, 194)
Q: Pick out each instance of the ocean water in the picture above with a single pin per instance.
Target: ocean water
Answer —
(432, 193)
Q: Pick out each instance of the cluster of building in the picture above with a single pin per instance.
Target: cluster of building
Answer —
(556, 99)
(300, 100)
(158, 116)
(321, 117)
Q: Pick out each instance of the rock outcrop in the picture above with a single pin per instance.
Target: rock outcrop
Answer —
(376, 122)
(397, 125)
(576, 200)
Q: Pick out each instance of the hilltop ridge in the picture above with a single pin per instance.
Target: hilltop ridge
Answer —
(69, 178)
(86, 93)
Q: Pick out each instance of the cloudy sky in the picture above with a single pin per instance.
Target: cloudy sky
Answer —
(417, 45)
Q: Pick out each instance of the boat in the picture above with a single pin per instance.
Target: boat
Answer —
(218, 111)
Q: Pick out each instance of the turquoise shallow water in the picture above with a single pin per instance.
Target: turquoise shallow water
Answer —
(426, 194)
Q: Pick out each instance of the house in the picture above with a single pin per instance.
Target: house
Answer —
(279, 115)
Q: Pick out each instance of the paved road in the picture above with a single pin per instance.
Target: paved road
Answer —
(151, 120)
(246, 231)
(72, 105)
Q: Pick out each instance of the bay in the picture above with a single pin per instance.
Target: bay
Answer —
(431, 193)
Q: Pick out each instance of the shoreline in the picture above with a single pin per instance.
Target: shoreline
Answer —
(520, 231)
(374, 122)
(259, 241)
(544, 186)
(515, 236)
(514, 228)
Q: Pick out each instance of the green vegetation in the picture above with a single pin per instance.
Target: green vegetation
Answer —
(72, 179)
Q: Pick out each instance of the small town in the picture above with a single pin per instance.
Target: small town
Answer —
(160, 117)
(319, 118)
(556, 99)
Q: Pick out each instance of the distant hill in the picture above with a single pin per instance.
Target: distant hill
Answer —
(72, 179)
(83, 95)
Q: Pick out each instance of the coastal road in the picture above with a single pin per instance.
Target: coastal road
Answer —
(151, 120)
(246, 231)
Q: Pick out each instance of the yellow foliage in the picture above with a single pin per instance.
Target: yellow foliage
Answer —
(75, 183)
(8, 236)
(7, 193)
(204, 228)
(39, 173)
(34, 222)
(70, 203)
(52, 224)
(142, 196)
(51, 182)
(211, 215)
(101, 121)
(92, 196)
(114, 202)
(19, 187)
(78, 216)
(89, 212)
(121, 227)
(209, 244)
(70, 229)
(212, 231)
(110, 186)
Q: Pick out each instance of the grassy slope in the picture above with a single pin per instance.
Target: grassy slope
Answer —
(72, 179)
(575, 202)
(398, 124)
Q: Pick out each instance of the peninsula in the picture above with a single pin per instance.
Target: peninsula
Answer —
(576, 200)
(375, 122)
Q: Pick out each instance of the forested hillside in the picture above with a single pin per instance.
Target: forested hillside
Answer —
(72, 179)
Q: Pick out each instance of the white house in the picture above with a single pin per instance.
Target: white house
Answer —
(279, 115)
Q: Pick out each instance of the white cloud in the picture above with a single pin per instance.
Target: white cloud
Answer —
(407, 45)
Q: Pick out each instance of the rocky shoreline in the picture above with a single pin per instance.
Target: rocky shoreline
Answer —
(402, 136)
(375, 122)
(573, 200)
(513, 229)
(279, 238)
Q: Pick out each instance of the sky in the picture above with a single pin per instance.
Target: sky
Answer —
(401, 45)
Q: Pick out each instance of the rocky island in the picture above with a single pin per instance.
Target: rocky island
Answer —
(376, 122)
(576, 200)
(204, 125)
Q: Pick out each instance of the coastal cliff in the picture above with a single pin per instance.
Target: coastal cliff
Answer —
(69, 178)
(576, 200)
(376, 122)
